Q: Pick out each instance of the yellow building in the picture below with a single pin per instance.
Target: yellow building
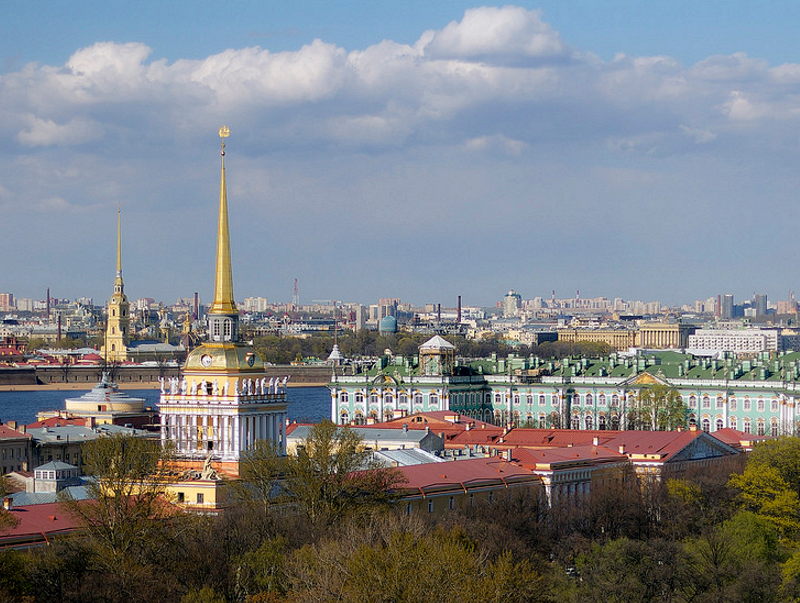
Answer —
(663, 336)
(224, 402)
(619, 339)
(118, 334)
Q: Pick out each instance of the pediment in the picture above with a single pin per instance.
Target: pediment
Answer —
(644, 379)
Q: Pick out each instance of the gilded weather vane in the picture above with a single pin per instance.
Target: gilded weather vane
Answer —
(224, 132)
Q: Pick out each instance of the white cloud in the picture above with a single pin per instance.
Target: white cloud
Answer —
(45, 132)
(488, 32)
(496, 142)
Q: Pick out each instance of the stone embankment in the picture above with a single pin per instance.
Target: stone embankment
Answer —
(132, 376)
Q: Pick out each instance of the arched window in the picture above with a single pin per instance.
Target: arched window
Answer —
(773, 427)
(589, 399)
(706, 403)
(388, 415)
(615, 400)
(706, 424)
(542, 420)
(773, 406)
(344, 418)
(529, 400)
(576, 422)
(746, 427)
(601, 400)
(720, 424)
(433, 400)
(733, 423)
(588, 423)
(344, 398)
(761, 406)
(692, 401)
(732, 404)
(760, 427)
(542, 400)
(402, 399)
(615, 423)
(748, 405)
(359, 398)
(516, 399)
(516, 418)
(373, 398)
(576, 399)
(418, 398)
(720, 402)
(601, 422)
(359, 418)
(498, 400)
(554, 400)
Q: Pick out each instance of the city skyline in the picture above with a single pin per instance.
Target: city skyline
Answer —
(451, 150)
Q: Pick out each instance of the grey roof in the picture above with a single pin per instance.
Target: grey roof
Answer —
(437, 343)
(406, 457)
(79, 433)
(371, 434)
(104, 392)
(22, 499)
(56, 466)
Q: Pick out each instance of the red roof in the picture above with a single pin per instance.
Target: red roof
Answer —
(7, 433)
(461, 473)
(57, 422)
(565, 457)
(37, 523)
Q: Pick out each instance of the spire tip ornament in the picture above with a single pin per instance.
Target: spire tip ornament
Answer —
(224, 132)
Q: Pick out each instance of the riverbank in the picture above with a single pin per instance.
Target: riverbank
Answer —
(85, 387)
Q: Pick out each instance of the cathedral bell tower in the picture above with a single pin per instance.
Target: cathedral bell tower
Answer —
(117, 335)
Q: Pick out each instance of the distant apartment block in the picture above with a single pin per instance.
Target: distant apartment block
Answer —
(736, 340)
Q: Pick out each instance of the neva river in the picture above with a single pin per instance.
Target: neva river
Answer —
(305, 404)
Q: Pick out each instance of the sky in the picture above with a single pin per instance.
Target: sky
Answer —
(416, 149)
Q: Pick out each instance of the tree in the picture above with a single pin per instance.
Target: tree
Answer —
(261, 471)
(127, 521)
(332, 475)
(659, 407)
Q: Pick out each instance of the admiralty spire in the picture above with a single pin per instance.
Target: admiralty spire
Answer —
(224, 402)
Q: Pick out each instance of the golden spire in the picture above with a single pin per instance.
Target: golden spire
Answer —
(223, 284)
(118, 284)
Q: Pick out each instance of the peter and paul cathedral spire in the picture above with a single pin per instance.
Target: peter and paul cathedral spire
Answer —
(118, 322)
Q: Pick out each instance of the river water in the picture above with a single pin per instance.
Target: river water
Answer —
(305, 404)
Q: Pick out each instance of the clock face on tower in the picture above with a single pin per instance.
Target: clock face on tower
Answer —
(205, 360)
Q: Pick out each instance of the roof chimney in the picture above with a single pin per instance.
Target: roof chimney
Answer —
(595, 441)
(622, 448)
(508, 454)
(8, 503)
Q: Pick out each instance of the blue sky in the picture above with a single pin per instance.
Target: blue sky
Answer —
(419, 150)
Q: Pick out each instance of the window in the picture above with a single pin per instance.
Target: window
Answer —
(359, 398)
(576, 399)
(773, 406)
(706, 402)
(529, 400)
(615, 400)
(706, 424)
(180, 497)
(732, 423)
(516, 399)
(554, 400)
(542, 400)
(761, 406)
(491, 497)
(748, 406)
(498, 399)
(373, 398)
(433, 400)
(430, 506)
(773, 428)
(746, 427)
(760, 427)
(601, 422)
(408, 508)
(576, 422)
(719, 424)
(732, 404)
(720, 402)
(451, 504)
(227, 326)
(418, 398)
(344, 397)
(692, 401)
(200, 498)
(588, 422)
(402, 399)
(589, 399)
